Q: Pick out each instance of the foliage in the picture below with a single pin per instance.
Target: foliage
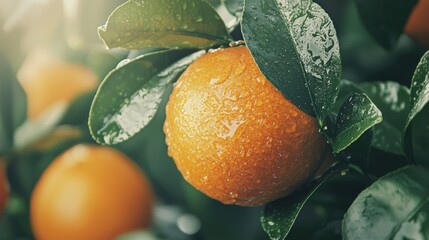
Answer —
(376, 122)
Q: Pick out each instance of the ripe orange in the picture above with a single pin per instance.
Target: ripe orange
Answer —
(417, 25)
(90, 192)
(3, 187)
(47, 81)
(234, 136)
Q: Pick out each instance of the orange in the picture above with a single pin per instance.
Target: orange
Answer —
(90, 192)
(234, 136)
(3, 187)
(417, 25)
(47, 81)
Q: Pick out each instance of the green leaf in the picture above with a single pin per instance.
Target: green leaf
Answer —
(394, 207)
(80, 104)
(33, 130)
(140, 24)
(347, 88)
(214, 3)
(13, 106)
(417, 126)
(357, 114)
(420, 137)
(230, 11)
(279, 216)
(129, 96)
(331, 231)
(235, 7)
(385, 19)
(295, 45)
(358, 152)
(393, 101)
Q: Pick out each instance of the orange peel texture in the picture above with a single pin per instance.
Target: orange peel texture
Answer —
(234, 136)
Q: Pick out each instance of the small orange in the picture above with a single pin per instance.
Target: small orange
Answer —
(90, 192)
(48, 81)
(234, 136)
(417, 25)
(4, 193)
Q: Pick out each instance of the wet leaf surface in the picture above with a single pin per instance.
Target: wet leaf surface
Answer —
(417, 127)
(394, 207)
(235, 7)
(357, 114)
(279, 216)
(393, 101)
(295, 45)
(139, 24)
(129, 96)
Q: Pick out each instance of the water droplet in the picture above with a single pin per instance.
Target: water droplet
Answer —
(240, 68)
(291, 128)
(199, 19)
(230, 128)
(215, 81)
(233, 195)
(261, 80)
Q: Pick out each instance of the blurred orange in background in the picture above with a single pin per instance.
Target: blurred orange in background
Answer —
(417, 26)
(48, 81)
(90, 192)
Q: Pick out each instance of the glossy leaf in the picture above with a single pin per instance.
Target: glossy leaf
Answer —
(294, 44)
(279, 216)
(394, 207)
(229, 11)
(417, 126)
(347, 88)
(140, 24)
(393, 101)
(13, 106)
(235, 7)
(385, 19)
(357, 114)
(214, 3)
(129, 96)
(419, 132)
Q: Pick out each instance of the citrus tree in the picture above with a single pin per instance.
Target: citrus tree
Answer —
(272, 119)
